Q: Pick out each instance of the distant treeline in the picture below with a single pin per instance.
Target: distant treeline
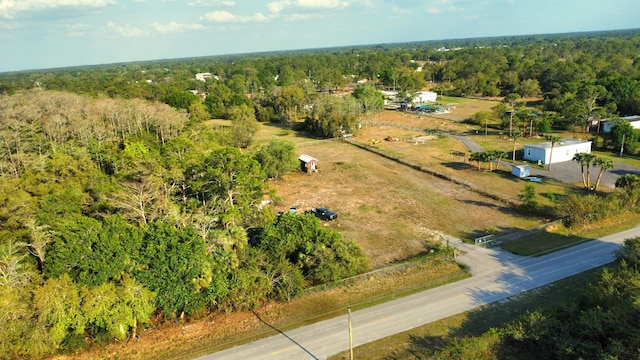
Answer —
(575, 76)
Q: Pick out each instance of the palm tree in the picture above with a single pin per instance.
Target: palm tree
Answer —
(553, 139)
(498, 155)
(515, 137)
(489, 156)
(604, 164)
(580, 158)
(477, 156)
(589, 158)
(512, 100)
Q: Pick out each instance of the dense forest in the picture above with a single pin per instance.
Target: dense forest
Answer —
(115, 211)
(121, 204)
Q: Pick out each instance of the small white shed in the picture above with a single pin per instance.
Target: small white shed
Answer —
(308, 163)
(562, 150)
(521, 171)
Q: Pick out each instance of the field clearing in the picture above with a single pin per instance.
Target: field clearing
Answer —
(392, 211)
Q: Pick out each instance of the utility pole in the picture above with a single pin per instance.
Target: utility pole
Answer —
(622, 145)
(350, 334)
(485, 129)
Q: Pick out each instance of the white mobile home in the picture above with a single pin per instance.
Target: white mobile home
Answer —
(425, 96)
(562, 151)
(633, 120)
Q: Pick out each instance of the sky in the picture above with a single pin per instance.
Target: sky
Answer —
(37, 34)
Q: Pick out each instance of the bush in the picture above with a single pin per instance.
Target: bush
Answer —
(579, 210)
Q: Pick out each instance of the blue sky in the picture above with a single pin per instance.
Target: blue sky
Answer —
(57, 33)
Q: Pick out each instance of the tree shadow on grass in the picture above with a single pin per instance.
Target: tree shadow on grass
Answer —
(285, 335)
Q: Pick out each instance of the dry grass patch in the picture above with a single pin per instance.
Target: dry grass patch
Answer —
(393, 212)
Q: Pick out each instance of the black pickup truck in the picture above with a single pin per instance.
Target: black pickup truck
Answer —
(323, 213)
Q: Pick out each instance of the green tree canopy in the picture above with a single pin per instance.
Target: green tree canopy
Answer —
(173, 264)
(277, 158)
(92, 252)
(228, 182)
(320, 253)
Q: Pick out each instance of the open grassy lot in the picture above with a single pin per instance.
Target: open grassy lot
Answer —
(435, 152)
(391, 210)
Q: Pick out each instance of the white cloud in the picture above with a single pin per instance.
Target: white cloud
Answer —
(297, 17)
(126, 30)
(288, 10)
(280, 6)
(321, 4)
(210, 3)
(174, 27)
(11, 8)
(397, 10)
(77, 29)
(227, 17)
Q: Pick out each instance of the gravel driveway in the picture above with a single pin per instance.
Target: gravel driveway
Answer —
(569, 171)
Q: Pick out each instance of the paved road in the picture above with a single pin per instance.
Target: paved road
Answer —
(497, 275)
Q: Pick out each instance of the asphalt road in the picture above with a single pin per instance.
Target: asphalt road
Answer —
(497, 275)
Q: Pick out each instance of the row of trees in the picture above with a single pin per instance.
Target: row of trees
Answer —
(587, 160)
(488, 157)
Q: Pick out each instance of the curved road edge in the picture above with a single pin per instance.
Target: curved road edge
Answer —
(497, 275)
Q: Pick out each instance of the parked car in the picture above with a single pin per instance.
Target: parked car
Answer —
(323, 214)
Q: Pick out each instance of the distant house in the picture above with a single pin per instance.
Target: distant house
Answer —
(634, 121)
(205, 76)
(425, 96)
(308, 164)
(562, 150)
(521, 170)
